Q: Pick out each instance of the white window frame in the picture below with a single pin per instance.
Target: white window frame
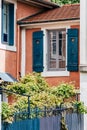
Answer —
(52, 73)
(6, 46)
(54, 56)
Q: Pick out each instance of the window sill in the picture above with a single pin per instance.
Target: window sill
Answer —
(7, 47)
(55, 73)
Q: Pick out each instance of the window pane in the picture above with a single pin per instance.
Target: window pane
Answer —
(57, 50)
(62, 49)
(52, 50)
(5, 19)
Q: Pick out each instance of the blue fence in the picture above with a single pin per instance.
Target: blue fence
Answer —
(73, 122)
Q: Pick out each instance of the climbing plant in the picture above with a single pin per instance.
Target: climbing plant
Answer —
(41, 95)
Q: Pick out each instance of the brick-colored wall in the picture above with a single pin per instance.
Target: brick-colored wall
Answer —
(10, 63)
(24, 10)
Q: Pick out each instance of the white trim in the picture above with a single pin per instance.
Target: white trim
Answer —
(83, 32)
(2, 45)
(52, 24)
(83, 55)
(7, 47)
(46, 73)
(23, 52)
(55, 73)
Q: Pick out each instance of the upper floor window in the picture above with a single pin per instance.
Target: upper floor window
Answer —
(56, 50)
(8, 24)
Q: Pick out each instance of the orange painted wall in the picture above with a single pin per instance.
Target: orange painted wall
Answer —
(24, 10)
(74, 76)
(10, 63)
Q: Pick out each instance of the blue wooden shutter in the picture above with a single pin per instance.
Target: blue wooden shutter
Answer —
(2, 23)
(72, 50)
(11, 24)
(38, 51)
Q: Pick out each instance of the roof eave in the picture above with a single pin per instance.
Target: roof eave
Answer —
(45, 4)
(46, 21)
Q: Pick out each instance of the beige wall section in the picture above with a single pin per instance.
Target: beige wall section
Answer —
(2, 60)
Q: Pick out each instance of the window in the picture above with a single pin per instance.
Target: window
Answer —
(5, 22)
(56, 50)
(8, 24)
(57, 53)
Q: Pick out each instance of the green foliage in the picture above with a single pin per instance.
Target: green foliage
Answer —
(64, 90)
(41, 95)
(28, 84)
(7, 112)
(80, 107)
(62, 2)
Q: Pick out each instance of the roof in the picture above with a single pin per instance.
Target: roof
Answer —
(66, 12)
(7, 77)
(42, 3)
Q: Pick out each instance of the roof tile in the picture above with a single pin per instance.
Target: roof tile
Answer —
(65, 12)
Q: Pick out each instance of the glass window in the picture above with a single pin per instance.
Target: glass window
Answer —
(8, 24)
(56, 49)
(5, 22)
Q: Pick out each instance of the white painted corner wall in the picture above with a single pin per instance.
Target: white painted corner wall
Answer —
(83, 55)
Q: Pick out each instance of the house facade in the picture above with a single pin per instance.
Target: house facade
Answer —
(23, 23)
(40, 36)
(52, 54)
(10, 32)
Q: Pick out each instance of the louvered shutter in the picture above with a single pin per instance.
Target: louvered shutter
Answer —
(72, 50)
(38, 51)
(11, 24)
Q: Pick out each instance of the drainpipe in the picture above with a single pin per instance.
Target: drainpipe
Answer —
(83, 55)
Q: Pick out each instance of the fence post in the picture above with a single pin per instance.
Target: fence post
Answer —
(0, 106)
(28, 106)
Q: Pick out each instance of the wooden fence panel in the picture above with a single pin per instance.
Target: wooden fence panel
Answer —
(50, 123)
(29, 124)
(75, 121)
